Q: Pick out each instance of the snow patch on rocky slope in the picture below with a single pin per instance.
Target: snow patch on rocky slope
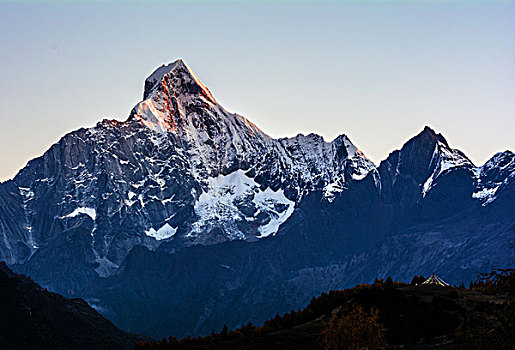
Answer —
(235, 198)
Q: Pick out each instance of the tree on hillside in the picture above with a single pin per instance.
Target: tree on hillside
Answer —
(353, 328)
(225, 330)
(417, 280)
(480, 329)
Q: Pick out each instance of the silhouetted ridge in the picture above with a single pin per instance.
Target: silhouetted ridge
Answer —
(400, 315)
(34, 318)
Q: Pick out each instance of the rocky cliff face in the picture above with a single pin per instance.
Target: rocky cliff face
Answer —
(165, 197)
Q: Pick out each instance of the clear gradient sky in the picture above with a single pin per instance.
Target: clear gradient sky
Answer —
(377, 71)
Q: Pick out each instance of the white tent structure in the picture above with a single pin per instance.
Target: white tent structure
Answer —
(434, 279)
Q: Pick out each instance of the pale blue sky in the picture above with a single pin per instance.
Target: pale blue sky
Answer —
(376, 71)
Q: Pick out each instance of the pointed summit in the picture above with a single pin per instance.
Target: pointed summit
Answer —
(172, 91)
(429, 136)
(177, 77)
(419, 163)
(419, 151)
(160, 72)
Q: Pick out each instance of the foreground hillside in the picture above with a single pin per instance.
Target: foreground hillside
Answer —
(33, 318)
(382, 315)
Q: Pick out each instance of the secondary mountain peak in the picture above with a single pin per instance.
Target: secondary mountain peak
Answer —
(420, 161)
(429, 136)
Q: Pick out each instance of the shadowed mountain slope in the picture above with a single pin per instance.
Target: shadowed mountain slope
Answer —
(34, 318)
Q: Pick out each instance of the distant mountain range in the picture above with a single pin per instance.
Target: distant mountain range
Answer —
(186, 216)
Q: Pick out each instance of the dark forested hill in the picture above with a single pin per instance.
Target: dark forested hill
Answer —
(388, 315)
(33, 318)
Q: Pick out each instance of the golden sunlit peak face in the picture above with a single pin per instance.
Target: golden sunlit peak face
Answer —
(199, 82)
(180, 70)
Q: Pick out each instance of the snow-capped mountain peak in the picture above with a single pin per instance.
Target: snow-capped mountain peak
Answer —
(180, 75)
(501, 163)
(175, 100)
(182, 170)
(493, 176)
